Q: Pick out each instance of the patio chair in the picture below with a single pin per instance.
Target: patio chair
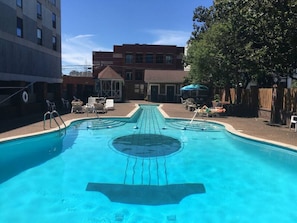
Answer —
(51, 106)
(183, 101)
(293, 122)
(109, 105)
(92, 100)
(65, 103)
(99, 108)
(101, 100)
(190, 104)
(88, 107)
(77, 106)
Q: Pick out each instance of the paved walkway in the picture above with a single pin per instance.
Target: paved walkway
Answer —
(254, 127)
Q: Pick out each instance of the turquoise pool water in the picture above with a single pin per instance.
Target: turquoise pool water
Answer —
(146, 169)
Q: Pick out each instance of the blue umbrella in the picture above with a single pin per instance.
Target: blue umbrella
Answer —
(194, 87)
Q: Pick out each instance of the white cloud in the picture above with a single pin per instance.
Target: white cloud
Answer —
(170, 37)
(77, 51)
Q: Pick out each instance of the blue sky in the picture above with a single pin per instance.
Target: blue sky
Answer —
(97, 25)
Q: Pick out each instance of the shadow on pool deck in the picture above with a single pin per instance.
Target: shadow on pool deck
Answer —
(256, 127)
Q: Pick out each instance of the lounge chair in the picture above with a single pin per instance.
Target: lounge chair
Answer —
(109, 105)
(293, 122)
(101, 100)
(89, 108)
(92, 100)
(99, 108)
(206, 111)
(183, 101)
(77, 106)
(190, 104)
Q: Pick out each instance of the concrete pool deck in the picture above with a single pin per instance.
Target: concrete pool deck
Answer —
(254, 127)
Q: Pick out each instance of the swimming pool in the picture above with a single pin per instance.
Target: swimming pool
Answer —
(200, 173)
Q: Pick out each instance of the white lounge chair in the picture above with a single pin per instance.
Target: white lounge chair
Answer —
(99, 108)
(92, 100)
(293, 122)
(77, 106)
(205, 111)
(183, 101)
(109, 105)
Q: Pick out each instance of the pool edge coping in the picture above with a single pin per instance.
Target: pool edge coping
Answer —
(233, 131)
(227, 126)
(67, 124)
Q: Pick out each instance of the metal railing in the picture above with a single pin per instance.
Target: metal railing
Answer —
(51, 115)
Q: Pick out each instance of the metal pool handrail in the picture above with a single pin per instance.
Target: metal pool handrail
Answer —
(51, 116)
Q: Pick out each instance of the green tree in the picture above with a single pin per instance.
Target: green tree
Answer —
(202, 20)
(272, 29)
(244, 40)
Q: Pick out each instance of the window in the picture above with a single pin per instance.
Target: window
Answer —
(149, 58)
(139, 88)
(19, 29)
(128, 75)
(139, 75)
(54, 20)
(169, 59)
(159, 58)
(129, 58)
(54, 39)
(53, 2)
(19, 3)
(39, 10)
(39, 36)
(139, 58)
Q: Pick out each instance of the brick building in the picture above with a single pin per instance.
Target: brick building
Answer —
(131, 60)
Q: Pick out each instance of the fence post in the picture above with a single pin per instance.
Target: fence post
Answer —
(276, 104)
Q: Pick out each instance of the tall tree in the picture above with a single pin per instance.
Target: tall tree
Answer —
(272, 27)
(202, 20)
(257, 40)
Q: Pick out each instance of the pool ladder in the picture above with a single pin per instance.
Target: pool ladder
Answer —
(51, 115)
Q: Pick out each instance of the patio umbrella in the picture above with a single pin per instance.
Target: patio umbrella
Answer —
(194, 87)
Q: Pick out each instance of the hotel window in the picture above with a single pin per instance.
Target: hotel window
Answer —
(169, 59)
(128, 75)
(54, 43)
(19, 3)
(39, 10)
(19, 29)
(129, 58)
(39, 36)
(159, 58)
(149, 58)
(139, 88)
(54, 20)
(139, 58)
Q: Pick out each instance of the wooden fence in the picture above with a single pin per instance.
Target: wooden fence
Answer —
(257, 102)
